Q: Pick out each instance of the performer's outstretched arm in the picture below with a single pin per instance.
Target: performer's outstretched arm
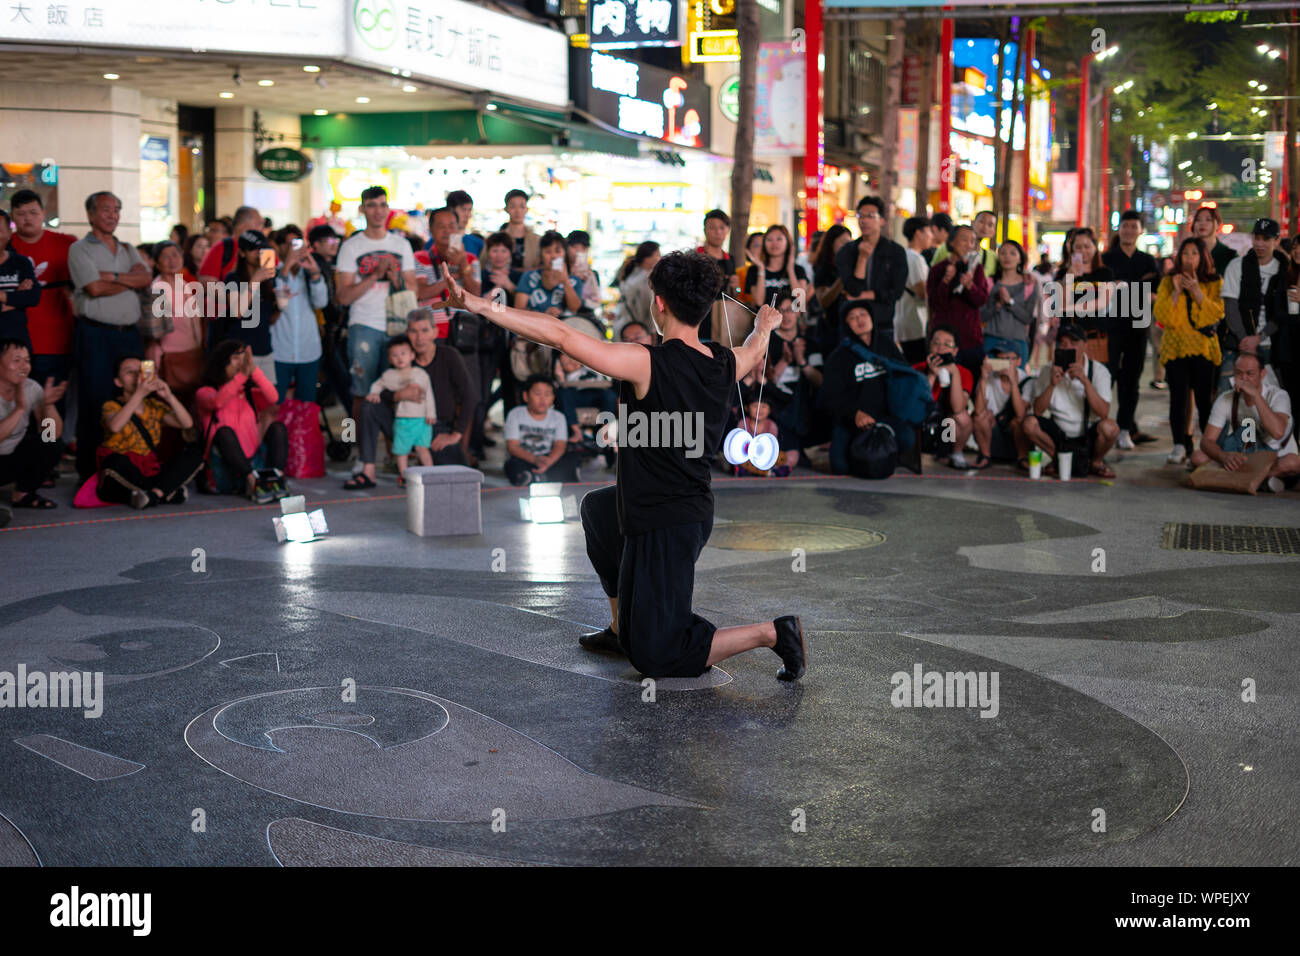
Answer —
(619, 360)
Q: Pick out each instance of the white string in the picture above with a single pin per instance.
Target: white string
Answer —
(763, 374)
(766, 346)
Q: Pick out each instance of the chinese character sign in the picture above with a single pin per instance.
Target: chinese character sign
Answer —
(622, 24)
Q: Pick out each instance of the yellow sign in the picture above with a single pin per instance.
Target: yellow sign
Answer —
(710, 46)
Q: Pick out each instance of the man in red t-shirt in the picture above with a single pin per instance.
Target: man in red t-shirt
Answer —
(221, 258)
(951, 385)
(50, 323)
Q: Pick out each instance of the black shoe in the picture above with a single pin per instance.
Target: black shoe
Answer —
(606, 641)
(140, 499)
(489, 442)
(790, 646)
(179, 496)
(1142, 438)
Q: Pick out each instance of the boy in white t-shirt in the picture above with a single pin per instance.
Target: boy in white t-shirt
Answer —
(1001, 404)
(412, 421)
(537, 438)
(1071, 407)
(1261, 420)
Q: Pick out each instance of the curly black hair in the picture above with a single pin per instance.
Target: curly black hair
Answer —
(688, 282)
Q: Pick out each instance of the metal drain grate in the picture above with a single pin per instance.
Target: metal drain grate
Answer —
(1231, 538)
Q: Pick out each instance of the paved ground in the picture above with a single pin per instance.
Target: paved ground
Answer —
(1119, 691)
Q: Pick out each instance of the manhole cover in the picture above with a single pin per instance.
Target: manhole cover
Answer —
(755, 536)
(1231, 538)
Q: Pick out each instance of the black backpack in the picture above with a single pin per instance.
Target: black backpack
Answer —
(873, 454)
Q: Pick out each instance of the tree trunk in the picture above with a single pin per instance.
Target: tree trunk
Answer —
(999, 152)
(742, 170)
(889, 123)
(928, 43)
(1004, 184)
(1289, 152)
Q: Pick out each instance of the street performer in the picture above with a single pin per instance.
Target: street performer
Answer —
(645, 534)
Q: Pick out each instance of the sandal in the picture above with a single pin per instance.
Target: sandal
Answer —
(1049, 469)
(982, 462)
(33, 500)
(359, 482)
(1102, 471)
(1023, 465)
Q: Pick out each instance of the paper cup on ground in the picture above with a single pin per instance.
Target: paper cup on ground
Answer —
(1064, 464)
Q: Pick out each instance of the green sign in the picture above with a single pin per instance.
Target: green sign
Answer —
(282, 164)
(729, 98)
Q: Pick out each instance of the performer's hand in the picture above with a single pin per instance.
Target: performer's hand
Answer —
(456, 296)
(767, 320)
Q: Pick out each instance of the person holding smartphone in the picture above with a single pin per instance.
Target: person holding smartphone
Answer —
(1071, 407)
(550, 289)
(300, 289)
(951, 385)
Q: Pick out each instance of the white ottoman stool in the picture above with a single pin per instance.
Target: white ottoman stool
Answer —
(443, 500)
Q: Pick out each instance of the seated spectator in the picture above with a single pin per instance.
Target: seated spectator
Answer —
(131, 468)
(1252, 416)
(855, 390)
(453, 402)
(550, 289)
(951, 385)
(25, 457)
(300, 289)
(579, 387)
(758, 421)
(635, 333)
(238, 439)
(1000, 408)
(1072, 406)
(793, 373)
(535, 438)
(413, 421)
(173, 341)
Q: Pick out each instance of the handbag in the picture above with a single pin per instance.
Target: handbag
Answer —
(400, 303)
(873, 453)
(463, 332)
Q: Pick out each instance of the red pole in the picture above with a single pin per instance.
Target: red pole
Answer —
(1025, 231)
(1081, 147)
(1103, 181)
(814, 158)
(947, 161)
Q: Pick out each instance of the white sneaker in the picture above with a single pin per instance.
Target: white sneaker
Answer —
(959, 460)
(1275, 485)
(1177, 456)
(1125, 442)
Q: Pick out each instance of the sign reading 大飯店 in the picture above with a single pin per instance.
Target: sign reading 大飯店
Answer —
(282, 164)
(622, 24)
(312, 27)
(462, 44)
(644, 100)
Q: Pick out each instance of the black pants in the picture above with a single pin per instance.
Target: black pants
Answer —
(377, 417)
(238, 467)
(566, 469)
(653, 577)
(1128, 355)
(1197, 374)
(118, 476)
(487, 370)
(30, 461)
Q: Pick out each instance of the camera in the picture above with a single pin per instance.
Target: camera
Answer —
(1064, 358)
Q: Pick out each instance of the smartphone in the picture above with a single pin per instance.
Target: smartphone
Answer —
(1064, 358)
(557, 263)
(1077, 258)
(297, 243)
(456, 240)
(999, 364)
(266, 258)
(147, 369)
(947, 358)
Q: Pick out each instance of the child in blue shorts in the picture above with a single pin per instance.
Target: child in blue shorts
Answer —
(412, 421)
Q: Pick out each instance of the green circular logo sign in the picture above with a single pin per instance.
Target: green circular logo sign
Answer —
(376, 22)
(282, 164)
(729, 98)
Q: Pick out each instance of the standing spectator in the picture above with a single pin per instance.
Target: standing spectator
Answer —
(717, 225)
(19, 290)
(951, 386)
(239, 438)
(911, 313)
(753, 250)
(525, 247)
(827, 284)
(1128, 337)
(1190, 308)
(195, 248)
(1207, 223)
(550, 289)
(941, 227)
(324, 242)
(462, 204)
(50, 322)
(1254, 293)
(223, 253)
(252, 308)
(500, 280)
(1012, 307)
(131, 468)
(956, 290)
(578, 248)
(214, 231)
(984, 225)
(452, 401)
(25, 459)
(1086, 284)
(179, 235)
(413, 421)
(432, 287)
(300, 289)
(175, 342)
(537, 438)
(874, 268)
(107, 276)
(1072, 406)
(371, 263)
(1286, 340)
(775, 272)
(1044, 267)
(634, 295)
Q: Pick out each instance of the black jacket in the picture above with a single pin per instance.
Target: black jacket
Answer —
(887, 275)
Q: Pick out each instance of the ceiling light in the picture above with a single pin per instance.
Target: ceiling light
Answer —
(363, 99)
(490, 106)
(406, 73)
(408, 88)
(321, 112)
(266, 82)
(311, 69)
(1252, 83)
(226, 96)
(1263, 88)
(111, 76)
